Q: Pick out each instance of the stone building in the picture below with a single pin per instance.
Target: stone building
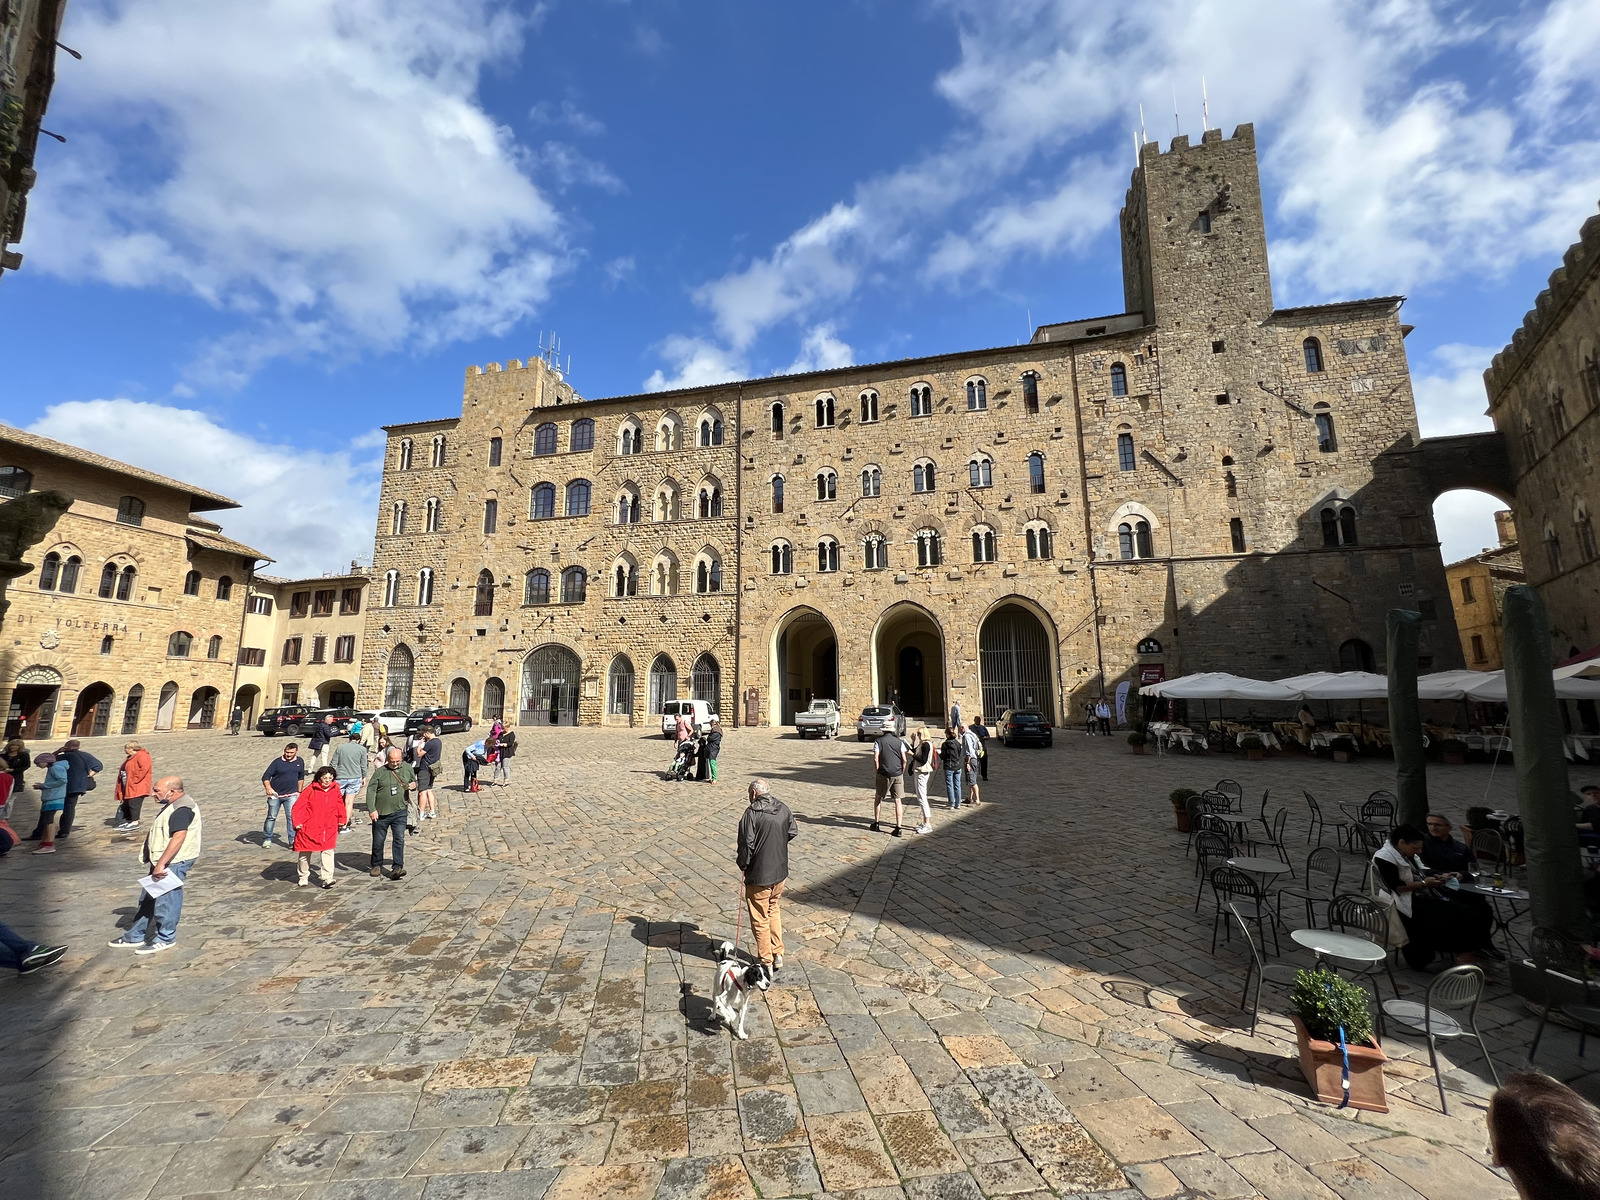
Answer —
(301, 642)
(1544, 392)
(130, 620)
(28, 32)
(1477, 592)
(1200, 482)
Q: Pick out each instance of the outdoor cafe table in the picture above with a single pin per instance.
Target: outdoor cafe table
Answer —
(1265, 868)
(1325, 943)
(1502, 920)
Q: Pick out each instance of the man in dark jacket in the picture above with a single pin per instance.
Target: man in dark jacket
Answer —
(81, 768)
(765, 831)
(321, 739)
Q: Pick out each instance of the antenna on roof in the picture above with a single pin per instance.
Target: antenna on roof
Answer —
(1136, 147)
(1205, 104)
(1175, 130)
(1142, 138)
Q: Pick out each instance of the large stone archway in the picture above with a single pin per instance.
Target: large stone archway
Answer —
(1017, 659)
(805, 663)
(908, 661)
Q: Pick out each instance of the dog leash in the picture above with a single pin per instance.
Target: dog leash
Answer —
(738, 920)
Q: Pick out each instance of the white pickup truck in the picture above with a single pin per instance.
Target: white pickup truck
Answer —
(822, 719)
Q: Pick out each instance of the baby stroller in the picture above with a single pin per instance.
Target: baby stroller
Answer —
(683, 763)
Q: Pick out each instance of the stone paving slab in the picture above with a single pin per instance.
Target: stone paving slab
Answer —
(1021, 1004)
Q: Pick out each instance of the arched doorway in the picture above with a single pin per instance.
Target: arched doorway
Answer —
(33, 703)
(805, 663)
(167, 705)
(908, 661)
(203, 708)
(132, 705)
(91, 716)
(663, 682)
(397, 679)
(550, 687)
(460, 695)
(494, 699)
(245, 700)
(1016, 661)
(705, 682)
(619, 688)
(336, 693)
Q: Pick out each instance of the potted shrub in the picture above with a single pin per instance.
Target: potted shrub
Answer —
(1322, 1003)
(1180, 806)
(1136, 739)
(1454, 751)
(1253, 746)
(1343, 747)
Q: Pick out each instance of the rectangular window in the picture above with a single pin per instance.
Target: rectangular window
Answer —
(261, 606)
(291, 651)
(1125, 459)
(491, 515)
(1218, 347)
(1236, 532)
(1222, 397)
(494, 452)
(322, 603)
(1428, 608)
(1030, 393)
(289, 693)
(1477, 649)
(344, 648)
(1467, 596)
(252, 658)
(299, 604)
(319, 649)
(350, 600)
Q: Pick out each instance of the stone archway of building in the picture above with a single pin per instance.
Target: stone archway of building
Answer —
(91, 715)
(461, 695)
(245, 700)
(908, 661)
(203, 708)
(804, 663)
(33, 703)
(336, 693)
(550, 678)
(1017, 659)
(167, 705)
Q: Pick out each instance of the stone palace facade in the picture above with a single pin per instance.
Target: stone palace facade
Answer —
(1200, 482)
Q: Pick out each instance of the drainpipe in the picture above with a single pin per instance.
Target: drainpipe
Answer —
(738, 560)
(1088, 529)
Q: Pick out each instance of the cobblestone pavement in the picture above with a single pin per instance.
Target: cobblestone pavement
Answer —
(1022, 1002)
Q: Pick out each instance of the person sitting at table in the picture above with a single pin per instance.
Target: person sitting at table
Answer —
(1308, 719)
(1440, 849)
(1432, 924)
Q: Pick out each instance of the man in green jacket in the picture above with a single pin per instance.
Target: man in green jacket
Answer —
(387, 792)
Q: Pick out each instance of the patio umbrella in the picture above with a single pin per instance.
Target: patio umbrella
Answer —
(1218, 685)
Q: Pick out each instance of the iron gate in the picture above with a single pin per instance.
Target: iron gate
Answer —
(1014, 658)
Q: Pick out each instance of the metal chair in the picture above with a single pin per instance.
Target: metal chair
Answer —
(1274, 838)
(1324, 860)
(1317, 826)
(1195, 806)
(1384, 796)
(1366, 919)
(1235, 794)
(1210, 849)
(1511, 831)
(1232, 888)
(1277, 975)
(1489, 846)
(1563, 963)
(1457, 988)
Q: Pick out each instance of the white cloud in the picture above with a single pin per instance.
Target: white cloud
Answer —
(1465, 521)
(569, 167)
(695, 363)
(619, 271)
(310, 508)
(568, 114)
(820, 351)
(1452, 400)
(323, 169)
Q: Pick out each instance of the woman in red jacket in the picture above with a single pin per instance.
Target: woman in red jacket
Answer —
(133, 785)
(318, 813)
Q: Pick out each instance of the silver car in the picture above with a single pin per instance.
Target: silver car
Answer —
(876, 718)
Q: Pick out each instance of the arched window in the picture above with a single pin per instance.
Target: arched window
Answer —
(543, 502)
(929, 552)
(827, 484)
(628, 506)
(391, 589)
(710, 501)
(125, 583)
(1552, 549)
(224, 588)
(711, 429)
(574, 585)
(1530, 443)
(1231, 482)
(668, 506)
(1236, 534)
(977, 394)
(191, 584)
(438, 450)
(430, 515)
(663, 682)
(1119, 379)
(869, 406)
(494, 699)
(178, 645)
(777, 493)
(1133, 539)
(1558, 415)
(460, 695)
(1036, 473)
(578, 498)
(871, 481)
(491, 516)
(824, 408)
(921, 400)
(983, 544)
(403, 456)
(1313, 352)
(777, 419)
(1589, 372)
(1338, 525)
(214, 646)
(536, 586)
(619, 687)
(708, 572)
(827, 555)
(69, 575)
(782, 558)
(1586, 540)
(49, 572)
(483, 596)
(397, 679)
(544, 439)
(496, 449)
(664, 575)
(107, 644)
(1125, 458)
(669, 433)
(108, 580)
(922, 476)
(1356, 655)
(875, 552)
(1325, 438)
(630, 438)
(624, 578)
(980, 471)
(1030, 392)
(397, 517)
(425, 587)
(14, 481)
(705, 682)
(581, 437)
(1039, 539)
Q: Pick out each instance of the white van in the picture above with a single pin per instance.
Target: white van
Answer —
(697, 711)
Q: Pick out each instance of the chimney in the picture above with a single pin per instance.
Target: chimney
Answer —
(1506, 526)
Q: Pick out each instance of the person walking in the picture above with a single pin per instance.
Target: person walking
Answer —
(1090, 723)
(427, 767)
(281, 781)
(921, 771)
(133, 785)
(952, 757)
(171, 847)
(52, 799)
(370, 733)
(236, 720)
(765, 831)
(24, 956)
(712, 748)
(317, 816)
(974, 751)
(16, 763)
(981, 732)
(81, 770)
(1102, 713)
(955, 714)
(388, 793)
(889, 774)
(349, 763)
(321, 739)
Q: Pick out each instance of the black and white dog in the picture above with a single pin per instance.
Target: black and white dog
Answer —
(736, 983)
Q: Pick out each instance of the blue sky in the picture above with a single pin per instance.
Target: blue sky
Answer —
(278, 224)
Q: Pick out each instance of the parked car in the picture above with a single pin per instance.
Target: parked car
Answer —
(697, 711)
(876, 718)
(342, 720)
(390, 720)
(822, 718)
(1018, 725)
(284, 721)
(445, 720)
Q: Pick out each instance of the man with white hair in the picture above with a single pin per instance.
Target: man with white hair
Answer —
(765, 831)
(170, 848)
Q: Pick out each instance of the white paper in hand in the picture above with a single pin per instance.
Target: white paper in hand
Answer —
(160, 887)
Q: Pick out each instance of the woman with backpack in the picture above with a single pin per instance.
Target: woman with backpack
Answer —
(953, 758)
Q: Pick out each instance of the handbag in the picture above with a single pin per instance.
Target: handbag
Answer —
(90, 785)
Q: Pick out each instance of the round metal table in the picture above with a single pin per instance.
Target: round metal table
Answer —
(1325, 943)
(1264, 869)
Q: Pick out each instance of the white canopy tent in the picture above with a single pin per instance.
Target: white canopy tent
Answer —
(1338, 685)
(1589, 668)
(1362, 685)
(1218, 685)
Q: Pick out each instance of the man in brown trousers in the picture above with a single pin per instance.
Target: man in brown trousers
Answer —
(765, 831)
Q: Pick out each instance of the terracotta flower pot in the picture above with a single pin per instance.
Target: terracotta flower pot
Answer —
(1455, 760)
(1181, 815)
(1341, 756)
(1255, 755)
(1137, 749)
(1323, 1067)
